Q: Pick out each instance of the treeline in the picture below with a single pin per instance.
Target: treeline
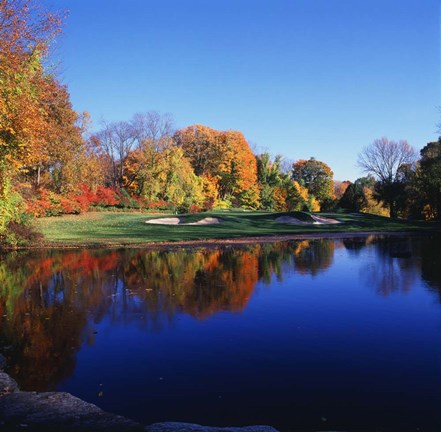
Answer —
(399, 183)
(51, 164)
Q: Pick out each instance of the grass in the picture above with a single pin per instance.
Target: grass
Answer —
(121, 229)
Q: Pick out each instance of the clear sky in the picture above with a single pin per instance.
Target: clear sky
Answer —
(302, 78)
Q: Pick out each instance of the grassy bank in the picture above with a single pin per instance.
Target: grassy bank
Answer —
(113, 229)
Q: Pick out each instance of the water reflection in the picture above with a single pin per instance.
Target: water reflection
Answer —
(392, 270)
(51, 300)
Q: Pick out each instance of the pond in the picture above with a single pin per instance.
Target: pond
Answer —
(317, 334)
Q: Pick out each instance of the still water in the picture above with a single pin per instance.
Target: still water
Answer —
(310, 335)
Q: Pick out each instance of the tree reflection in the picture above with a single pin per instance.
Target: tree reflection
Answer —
(314, 256)
(391, 270)
(430, 253)
(50, 300)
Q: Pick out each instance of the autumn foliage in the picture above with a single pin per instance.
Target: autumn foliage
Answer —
(52, 164)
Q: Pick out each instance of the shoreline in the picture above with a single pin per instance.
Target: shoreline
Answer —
(218, 242)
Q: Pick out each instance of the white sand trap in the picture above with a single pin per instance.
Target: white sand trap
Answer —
(290, 220)
(324, 221)
(164, 221)
(177, 221)
(318, 220)
(205, 221)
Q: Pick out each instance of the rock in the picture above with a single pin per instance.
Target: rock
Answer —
(190, 427)
(56, 411)
(2, 362)
(7, 384)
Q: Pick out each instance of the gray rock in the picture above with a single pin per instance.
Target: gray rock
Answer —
(7, 384)
(2, 362)
(54, 411)
(190, 427)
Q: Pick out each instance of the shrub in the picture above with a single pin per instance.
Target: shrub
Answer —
(15, 223)
(106, 197)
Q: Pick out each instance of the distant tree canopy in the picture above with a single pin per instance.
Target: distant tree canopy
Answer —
(50, 163)
(429, 179)
(316, 177)
(223, 159)
(360, 197)
(31, 101)
(389, 162)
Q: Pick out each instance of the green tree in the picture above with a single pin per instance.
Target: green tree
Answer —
(354, 198)
(429, 179)
(316, 176)
(269, 177)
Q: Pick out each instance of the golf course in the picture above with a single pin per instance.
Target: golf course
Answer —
(118, 229)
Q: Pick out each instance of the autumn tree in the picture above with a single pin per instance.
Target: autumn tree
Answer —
(164, 175)
(360, 196)
(154, 135)
(316, 176)
(55, 158)
(389, 162)
(25, 34)
(31, 100)
(340, 188)
(201, 146)
(225, 158)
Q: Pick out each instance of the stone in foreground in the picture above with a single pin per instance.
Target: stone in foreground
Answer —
(7, 384)
(54, 411)
(189, 427)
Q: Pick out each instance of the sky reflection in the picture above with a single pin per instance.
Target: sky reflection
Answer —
(287, 334)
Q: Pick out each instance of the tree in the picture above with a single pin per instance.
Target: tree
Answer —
(154, 129)
(429, 179)
(340, 188)
(61, 144)
(24, 110)
(316, 176)
(26, 96)
(386, 161)
(118, 140)
(269, 177)
(201, 147)
(153, 133)
(359, 197)
(224, 157)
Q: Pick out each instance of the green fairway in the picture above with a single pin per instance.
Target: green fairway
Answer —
(113, 229)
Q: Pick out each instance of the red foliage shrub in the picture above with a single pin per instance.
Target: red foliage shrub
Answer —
(158, 205)
(195, 209)
(105, 197)
(48, 203)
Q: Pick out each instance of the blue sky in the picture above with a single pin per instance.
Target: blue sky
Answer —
(302, 78)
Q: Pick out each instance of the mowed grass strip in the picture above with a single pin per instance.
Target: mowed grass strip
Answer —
(117, 228)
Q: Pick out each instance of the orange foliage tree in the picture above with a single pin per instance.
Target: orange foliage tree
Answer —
(225, 158)
(26, 99)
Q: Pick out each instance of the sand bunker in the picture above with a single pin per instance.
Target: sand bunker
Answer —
(324, 221)
(177, 221)
(291, 220)
(318, 220)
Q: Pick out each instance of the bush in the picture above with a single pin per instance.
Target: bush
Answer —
(126, 201)
(15, 223)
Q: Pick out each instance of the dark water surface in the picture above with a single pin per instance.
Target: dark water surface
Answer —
(309, 335)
